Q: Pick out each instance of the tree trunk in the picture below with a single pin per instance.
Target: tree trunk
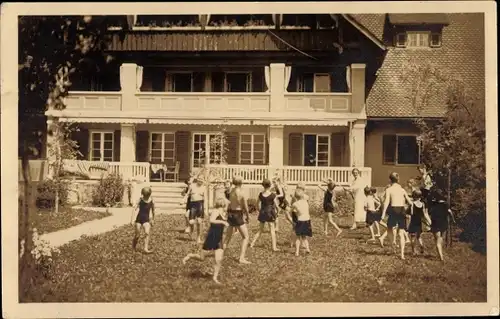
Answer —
(450, 221)
(24, 233)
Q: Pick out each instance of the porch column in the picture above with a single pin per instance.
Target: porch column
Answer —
(129, 81)
(277, 86)
(127, 143)
(275, 148)
(358, 87)
(357, 143)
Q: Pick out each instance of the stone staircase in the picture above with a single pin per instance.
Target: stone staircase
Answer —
(167, 196)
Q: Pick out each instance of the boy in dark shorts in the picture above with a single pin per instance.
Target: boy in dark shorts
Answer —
(371, 208)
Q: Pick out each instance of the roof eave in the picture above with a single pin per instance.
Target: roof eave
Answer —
(363, 30)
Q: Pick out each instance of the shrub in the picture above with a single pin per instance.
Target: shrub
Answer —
(109, 191)
(46, 193)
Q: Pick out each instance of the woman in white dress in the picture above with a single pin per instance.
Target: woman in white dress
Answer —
(357, 189)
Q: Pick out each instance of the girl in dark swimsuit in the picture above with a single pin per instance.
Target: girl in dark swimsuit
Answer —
(213, 241)
(267, 213)
(418, 212)
(439, 213)
(144, 218)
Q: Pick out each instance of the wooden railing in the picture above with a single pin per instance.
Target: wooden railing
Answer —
(95, 170)
(318, 102)
(131, 170)
(204, 101)
(92, 100)
(254, 174)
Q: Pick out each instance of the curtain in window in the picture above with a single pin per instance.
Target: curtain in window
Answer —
(122, 77)
(139, 73)
(348, 77)
(267, 77)
(288, 75)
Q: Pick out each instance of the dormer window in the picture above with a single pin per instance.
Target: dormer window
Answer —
(418, 39)
(435, 40)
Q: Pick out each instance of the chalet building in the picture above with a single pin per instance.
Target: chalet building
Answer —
(309, 96)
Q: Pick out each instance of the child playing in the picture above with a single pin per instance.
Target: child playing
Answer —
(213, 241)
(144, 218)
(329, 206)
(303, 225)
(187, 200)
(371, 208)
(378, 203)
(290, 215)
(267, 213)
(283, 203)
(418, 215)
(196, 212)
(439, 213)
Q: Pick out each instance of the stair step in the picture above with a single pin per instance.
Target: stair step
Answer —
(167, 194)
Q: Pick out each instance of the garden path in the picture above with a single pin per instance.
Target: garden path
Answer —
(119, 217)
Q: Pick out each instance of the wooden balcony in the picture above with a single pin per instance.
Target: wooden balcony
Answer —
(83, 100)
(318, 102)
(206, 102)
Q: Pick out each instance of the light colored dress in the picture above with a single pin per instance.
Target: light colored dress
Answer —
(358, 189)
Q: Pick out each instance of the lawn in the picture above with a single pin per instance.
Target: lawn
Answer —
(105, 269)
(46, 221)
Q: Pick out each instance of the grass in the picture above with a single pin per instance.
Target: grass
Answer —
(46, 221)
(104, 268)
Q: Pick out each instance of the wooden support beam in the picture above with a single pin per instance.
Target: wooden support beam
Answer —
(278, 20)
(131, 21)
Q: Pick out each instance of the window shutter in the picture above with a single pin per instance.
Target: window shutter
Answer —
(116, 145)
(142, 146)
(389, 149)
(232, 148)
(183, 151)
(322, 83)
(169, 83)
(83, 139)
(198, 81)
(266, 147)
(295, 149)
(338, 149)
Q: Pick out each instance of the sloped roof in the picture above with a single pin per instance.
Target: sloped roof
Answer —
(462, 53)
(418, 18)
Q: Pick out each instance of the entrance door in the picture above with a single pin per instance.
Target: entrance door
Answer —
(316, 148)
(206, 146)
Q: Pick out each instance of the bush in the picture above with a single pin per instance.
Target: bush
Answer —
(46, 193)
(109, 191)
(344, 201)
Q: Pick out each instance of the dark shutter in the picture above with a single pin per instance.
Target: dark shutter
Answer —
(183, 151)
(389, 149)
(198, 81)
(338, 149)
(142, 146)
(232, 147)
(295, 149)
(117, 145)
(322, 83)
(267, 150)
(147, 80)
(82, 137)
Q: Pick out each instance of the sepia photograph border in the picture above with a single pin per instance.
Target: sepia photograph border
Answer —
(11, 308)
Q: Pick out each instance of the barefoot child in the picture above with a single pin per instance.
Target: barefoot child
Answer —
(329, 207)
(303, 225)
(290, 215)
(213, 241)
(145, 209)
(196, 213)
(371, 207)
(187, 200)
(378, 203)
(418, 215)
(267, 213)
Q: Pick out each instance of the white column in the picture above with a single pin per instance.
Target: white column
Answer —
(357, 135)
(127, 143)
(128, 83)
(277, 86)
(275, 148)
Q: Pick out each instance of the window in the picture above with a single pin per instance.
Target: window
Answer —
(238, 81)
(435, 40)
(401, 150)
(316, 150)
(101, 146)
(401, 40)
(417, 39)
(252, 148)
(207, 144)
(314, 82)
(180, 82)
(163, 148)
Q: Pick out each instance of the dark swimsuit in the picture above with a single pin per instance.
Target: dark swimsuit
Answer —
(267, 212)
(144, 209)
(416, 219)
(196, 210)
(397, 217)
(213, 241)
(439, 217)
(327, 202)
(235, 217)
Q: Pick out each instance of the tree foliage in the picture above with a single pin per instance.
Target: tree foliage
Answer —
(453, 147)
(51, 49)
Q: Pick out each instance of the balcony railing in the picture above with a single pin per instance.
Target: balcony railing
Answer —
(83, 100)
(202, 101)
(138, 171)
(318, 102)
